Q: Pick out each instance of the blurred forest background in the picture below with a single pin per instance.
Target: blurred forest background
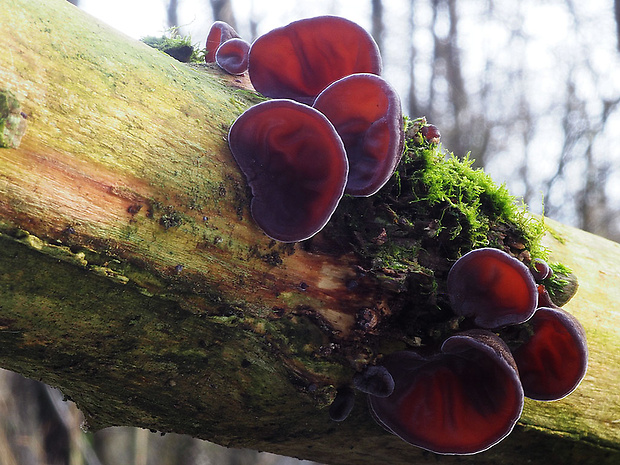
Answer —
(531, 89)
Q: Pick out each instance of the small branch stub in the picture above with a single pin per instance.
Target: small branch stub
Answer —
(12, 120)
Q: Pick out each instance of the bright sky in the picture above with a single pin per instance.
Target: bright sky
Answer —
(547, 27)
(138, 18)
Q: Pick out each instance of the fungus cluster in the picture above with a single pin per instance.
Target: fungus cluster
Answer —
(469, 395)
(333, 126)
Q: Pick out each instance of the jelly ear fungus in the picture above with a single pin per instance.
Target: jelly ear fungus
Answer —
(366, 112)
(554, 359)
(219, 33)
(461, 401)
(301, 59)
(295, 165)
(493, 288)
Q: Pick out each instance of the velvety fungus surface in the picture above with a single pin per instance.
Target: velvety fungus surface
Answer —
(301, 59)
(493, 288)
(374, 380)
(295, 165)
(366, 111)
(232, 56)
(461, 401)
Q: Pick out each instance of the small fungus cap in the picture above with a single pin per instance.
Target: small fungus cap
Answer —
(366, 111)
(540, 270)
(374, 380)
(219, 33)
(493, 288)
(461, 401)
(232, 56)
(431, 134)
(342, 405)
(295, 165)
(301, 59)
(554, 360)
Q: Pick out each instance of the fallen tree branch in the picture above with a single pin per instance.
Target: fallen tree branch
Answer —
(133, 278)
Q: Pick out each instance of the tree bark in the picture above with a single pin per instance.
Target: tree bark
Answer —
(133, 278)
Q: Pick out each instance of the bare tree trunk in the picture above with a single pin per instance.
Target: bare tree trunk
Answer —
(377, 22)
(412, 99)
(447, 55)
(133, 277)
(617, 16)
(172, 13)
(458, 94)
(222, 11)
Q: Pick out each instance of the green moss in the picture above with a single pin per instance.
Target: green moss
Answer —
(435, 208)
(436, 201)
(466, 194)
(562, 284)
(179, 48)
(171, 218)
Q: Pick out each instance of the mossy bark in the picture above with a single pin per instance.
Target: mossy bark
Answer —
(133, 278)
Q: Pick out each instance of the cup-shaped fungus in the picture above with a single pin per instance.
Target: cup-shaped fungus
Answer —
(554, 360)
(301, 59)
(374, 380)
(461, 401)
(232, 56)
(493, 287)
(366, 112)
(342, 405)
(295, 165)
(431, 134)
(540, 270)
(219, 33)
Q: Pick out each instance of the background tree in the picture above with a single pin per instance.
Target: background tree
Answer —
(172, 13)
(223, 11)
(377, 23)
(617, 16)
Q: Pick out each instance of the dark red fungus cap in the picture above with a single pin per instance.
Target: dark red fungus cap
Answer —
(461, 401)
(219, 33)
(554, 360)
(232, 56)
(295, 164)
(301, 59)
(540, 270)
(431, 134)
(375, 380)
(493, 288)
(366, 112)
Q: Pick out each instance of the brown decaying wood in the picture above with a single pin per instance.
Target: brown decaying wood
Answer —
(134, 278)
